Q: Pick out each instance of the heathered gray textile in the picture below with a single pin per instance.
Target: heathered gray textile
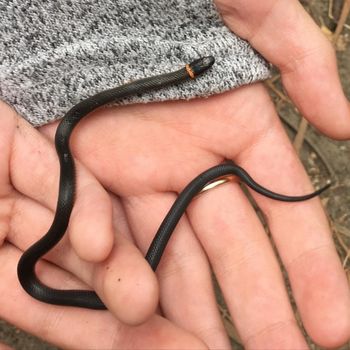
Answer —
(55, 53)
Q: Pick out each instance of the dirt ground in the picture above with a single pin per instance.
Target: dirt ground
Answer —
(323, 158)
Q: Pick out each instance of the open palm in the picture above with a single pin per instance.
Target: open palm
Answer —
(146, 154)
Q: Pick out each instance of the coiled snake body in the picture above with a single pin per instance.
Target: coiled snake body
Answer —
(65, 202)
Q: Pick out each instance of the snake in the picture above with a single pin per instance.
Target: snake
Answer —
(67, 189)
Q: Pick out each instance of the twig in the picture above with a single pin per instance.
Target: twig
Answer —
(330, 13)
(300, 136)
(274, 78)
(343, 16)
(280, 94)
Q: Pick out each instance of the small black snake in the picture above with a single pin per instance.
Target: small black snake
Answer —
(67, 185)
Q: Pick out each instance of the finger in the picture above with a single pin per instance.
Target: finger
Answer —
(88, 219)
(246, 269)
(35, 173)
(124, 281)
(79, 328)
(304, 56)
(302, 236)
(186, 291)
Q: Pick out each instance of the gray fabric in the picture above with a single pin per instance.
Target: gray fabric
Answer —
(55, 53)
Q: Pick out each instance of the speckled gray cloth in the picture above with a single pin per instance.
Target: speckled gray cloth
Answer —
(55, 53)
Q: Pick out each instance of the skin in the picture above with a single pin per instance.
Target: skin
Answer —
(143, 155)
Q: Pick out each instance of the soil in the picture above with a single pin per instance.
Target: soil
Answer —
(322, 157)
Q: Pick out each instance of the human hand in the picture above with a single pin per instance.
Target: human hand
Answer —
(307, 93)
(28, 189)
(284, 33)
(146, 154)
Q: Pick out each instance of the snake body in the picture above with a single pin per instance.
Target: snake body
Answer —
(67, 184)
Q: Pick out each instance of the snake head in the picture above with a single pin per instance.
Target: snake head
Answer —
(202, 64)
